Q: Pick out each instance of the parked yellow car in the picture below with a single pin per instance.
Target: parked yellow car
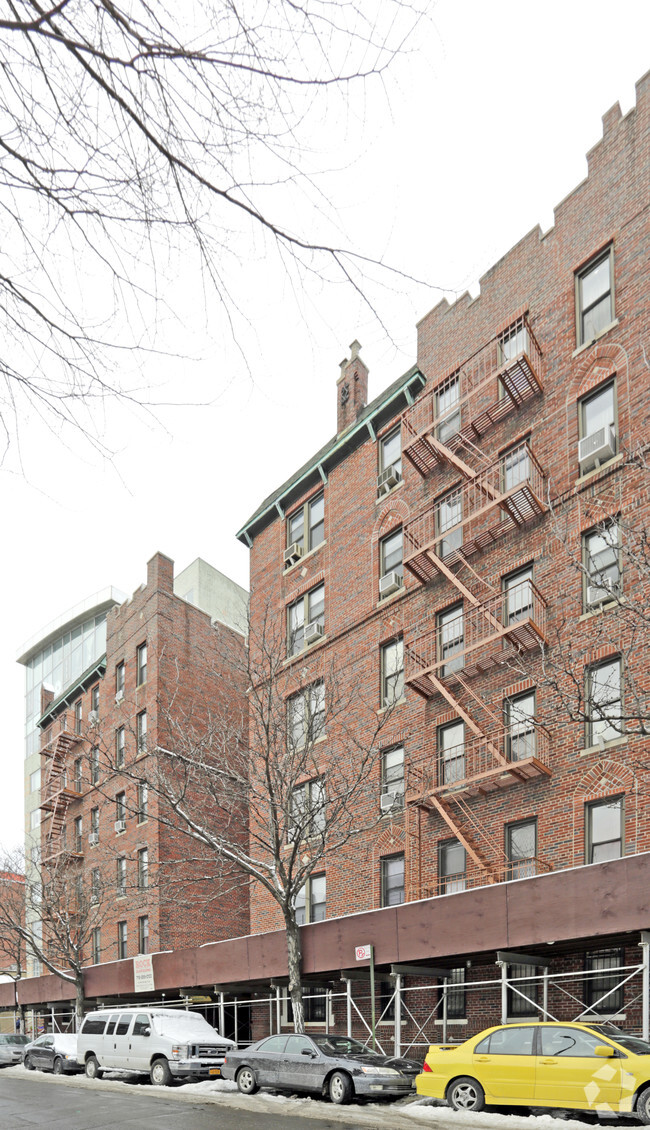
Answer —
(546, 1064)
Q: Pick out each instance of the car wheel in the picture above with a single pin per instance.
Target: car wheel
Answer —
(340, 1088)
(28, 1063)
(57, 1066)
(160, 1074)
(93, 1070)
(466, 1094)
(246, 1081)
(642, 1106)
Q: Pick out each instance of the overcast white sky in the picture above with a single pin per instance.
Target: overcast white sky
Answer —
(487, 131)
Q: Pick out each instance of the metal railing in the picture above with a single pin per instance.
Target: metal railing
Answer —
(477, 756)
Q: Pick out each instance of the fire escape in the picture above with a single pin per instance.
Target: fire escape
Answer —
(59, 788)
(483, 628)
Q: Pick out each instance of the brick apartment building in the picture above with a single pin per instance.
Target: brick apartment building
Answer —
(469, 545)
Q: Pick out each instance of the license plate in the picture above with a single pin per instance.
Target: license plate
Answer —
(215, 1071)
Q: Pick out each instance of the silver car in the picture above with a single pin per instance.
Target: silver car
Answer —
(337, 1067)
(11, 1048)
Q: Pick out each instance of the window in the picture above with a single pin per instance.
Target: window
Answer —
(390, 452)
(308, 813)
(35, 781)
(569, 1042)
(521, 849)
(76, 775)
(518, 591)
(392, 776)
(95, 886)
(315, 1004)
(119, 681)
(141, 732)
(141, 665)
(597, 424)
(451, 639)
(518, 1005)
(120, 806)
(143, 802)
(515, 465)
(449, 512)
(94, 821)
(143, 941)
(601, 562)
(97, 945)
(392, 673)
(34, 819)
(508, 1041)
(94, 698)
(386, 1002)
(307, 610)
(311, 901)
(392, 880)
(94, 765)
(520, 726)
(121, 877)
(456, 1006)
(603, 993)
(390, 556)
(604, 829)
(78, 832)
(306, 716)
(121, 945)
(78, 715)
(595, 297)
(142, 1022)
(448, 408)
(452, 867)
(119, 747)
(306, 528)
(143, 868)
(512, 342)
(451, 753)
(604, 702)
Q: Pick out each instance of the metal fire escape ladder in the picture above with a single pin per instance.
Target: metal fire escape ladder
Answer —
(57, 793)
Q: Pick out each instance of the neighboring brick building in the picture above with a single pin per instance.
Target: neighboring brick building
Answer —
(167, 664)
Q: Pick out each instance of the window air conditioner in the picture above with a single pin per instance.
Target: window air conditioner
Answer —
(313, 632)
(92, 718)
(389, 801)
(119, 697)
(597, 594)
(93, 838)
(120, 825)
(292, 554)
(390, 583)
(597, 448)
(387, 480)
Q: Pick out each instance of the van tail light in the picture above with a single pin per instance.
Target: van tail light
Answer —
(426, 1066)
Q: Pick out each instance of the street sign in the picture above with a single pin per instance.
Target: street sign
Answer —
(363, 953)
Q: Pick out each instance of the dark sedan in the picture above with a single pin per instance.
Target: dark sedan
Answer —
(11, 1048)
(337, 1067)
(56, 1052)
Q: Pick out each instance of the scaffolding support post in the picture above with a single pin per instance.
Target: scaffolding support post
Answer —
(545, 992)
(222, 1014)
(504, 991)
(236, 1032)
(348, 1005)
(444, 1010)
(328, 1002)
(278, 1009)
(645, 949)
(398, 1014)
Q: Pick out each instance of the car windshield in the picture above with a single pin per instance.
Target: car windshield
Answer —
(184, 1026)
(633, 1044)
(14, 1039)
(340, 1045)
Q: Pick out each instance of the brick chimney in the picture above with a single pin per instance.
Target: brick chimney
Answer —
(351, 390)
(160, 573)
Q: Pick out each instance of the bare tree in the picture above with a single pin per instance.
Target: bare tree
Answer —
(272, 799)
(53, 914)
(131, 128)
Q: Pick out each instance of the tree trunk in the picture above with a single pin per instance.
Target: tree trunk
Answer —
(294, 963)
(80, 1000)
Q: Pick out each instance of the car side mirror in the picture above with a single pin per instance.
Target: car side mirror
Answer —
(308, 1051)
(605, 1051)
(146, 1032)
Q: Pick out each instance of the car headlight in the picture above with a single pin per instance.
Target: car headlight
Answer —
(180, 1051)
(379, 1070)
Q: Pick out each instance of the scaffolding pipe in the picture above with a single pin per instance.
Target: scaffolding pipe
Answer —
(444, 1010)
(278, 1009)
(645, 981)
(545, 993)
(328, 999)
(236, 1032)
(398, 1014)
(222, 1014)
(504, 991)
(348, 1005)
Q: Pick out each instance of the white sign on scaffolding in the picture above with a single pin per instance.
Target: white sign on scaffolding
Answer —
(143, 981)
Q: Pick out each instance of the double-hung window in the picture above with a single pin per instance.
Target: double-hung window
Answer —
(451, 639)
(455, 994)
(601, 563)
(311, 901)
(306, 527)
(95, 886)
(448, 408)
(604, 829)
(94, 765)
(390, 563)
(306, 716)
(141, 731)
(97, 945)
(392, 880)
(143, 937)
(518, 593)
(451, 753)
(512, 342)
(515, 466)
(94, 822)
(143, 868)
(392, 673)
(305, 620)
(78, 716)
(308, 816)
(392, 777)
(521, 849)
(597, 427)
(518, 1004)
(120, 672)
(449, 515)
(78, 834)
(141, 665)
(143, 802)
(452, 867)
(603, 988)
(119, 747)
(604, 706)
(120, 808)
(390, 461)
(121, 877)
(595, 296)
(520, 726)
(121, 940)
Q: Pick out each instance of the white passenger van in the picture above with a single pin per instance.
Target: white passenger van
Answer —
(164, 1043)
